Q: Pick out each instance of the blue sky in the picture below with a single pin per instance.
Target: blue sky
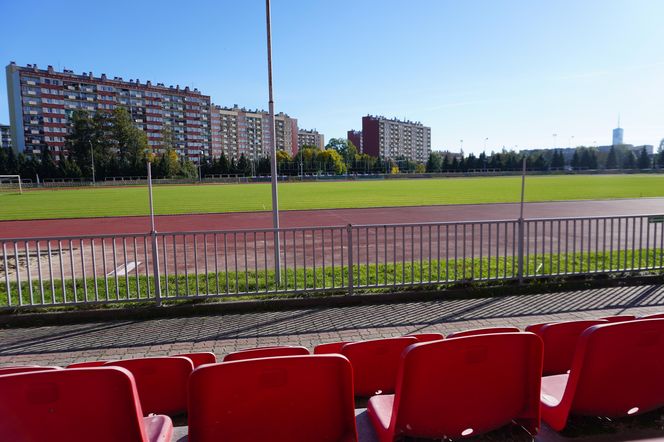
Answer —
(515, 72)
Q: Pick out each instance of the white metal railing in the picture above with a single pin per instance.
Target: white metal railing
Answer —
(164, 266)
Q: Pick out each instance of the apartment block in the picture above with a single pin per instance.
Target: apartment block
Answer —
(5, 137)
(310, 138)
(355, 137)
(238, 131)
(41, 102)
(395, 139)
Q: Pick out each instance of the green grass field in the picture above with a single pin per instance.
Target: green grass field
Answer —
(117, 201)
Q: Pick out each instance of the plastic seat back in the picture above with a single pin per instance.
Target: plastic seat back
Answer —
(483, 331)
(468, 386)
(560, 339)
(161, 382)
(619, 369)
(87, 364)
(329, 348)
(26, 369)
(200, 358)
(619, 318)
(537, 328)
(655, 316)
(376, 363)
(426, 337)
(289, 398)
(83, 404)
(266, 352)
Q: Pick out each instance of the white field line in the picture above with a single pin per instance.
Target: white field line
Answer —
(121, 270)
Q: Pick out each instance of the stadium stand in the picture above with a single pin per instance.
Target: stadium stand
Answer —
(560, 340)
(483, 331)
(461, 387)
(77, 405)
(266, 352)
(618, 370)
(161, 382)
(255, 399)
(376, 363)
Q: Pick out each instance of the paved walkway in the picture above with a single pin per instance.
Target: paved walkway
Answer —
(223, 333)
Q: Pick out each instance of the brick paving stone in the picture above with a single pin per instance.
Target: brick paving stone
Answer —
(225, 333)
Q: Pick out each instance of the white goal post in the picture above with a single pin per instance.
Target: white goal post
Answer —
(11, 181)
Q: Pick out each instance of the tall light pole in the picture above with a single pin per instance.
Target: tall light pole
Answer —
(571, 138)
(554, 140)
(92, 161)
(273, 157)
(485, 140)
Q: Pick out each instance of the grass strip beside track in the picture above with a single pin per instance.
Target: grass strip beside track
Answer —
(218, 198)
(257, 284)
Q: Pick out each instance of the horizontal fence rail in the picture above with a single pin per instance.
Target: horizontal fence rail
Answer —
(166, 266)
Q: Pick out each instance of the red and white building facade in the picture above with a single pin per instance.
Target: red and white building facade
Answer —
(41, 102)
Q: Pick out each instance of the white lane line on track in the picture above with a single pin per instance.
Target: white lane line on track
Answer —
(121, 270)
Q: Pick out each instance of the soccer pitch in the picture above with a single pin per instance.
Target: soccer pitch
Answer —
(220, 198)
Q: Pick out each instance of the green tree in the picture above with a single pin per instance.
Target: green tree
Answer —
(48, 168)
(345, 148)
(435, 162)
(80, 141)
(168, 165)
(660, 154)
(644, 159)
(243, 166)
(612, 159)
(68, 168)
(629, 160)
(132, 143)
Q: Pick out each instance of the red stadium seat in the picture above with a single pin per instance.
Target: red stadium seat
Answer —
(289, 398)
(426, 337)
(161, 382)
(25, 369)
(655, 316)
(618, 370)
(619, 318)
(462, 387)
(560, 339)
(329, 348)
(77, 405)
(483, 331)
(87, 364)
(535, 328)
(376, 363)
(266, 352)
(200, 358)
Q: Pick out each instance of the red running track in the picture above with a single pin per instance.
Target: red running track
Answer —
(327, 217)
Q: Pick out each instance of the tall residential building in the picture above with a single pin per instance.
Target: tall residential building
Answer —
(237, 131)
(392, 138)
(617, 136)
(5, 137)
(41, 102)
(310, 138)
(355, 137)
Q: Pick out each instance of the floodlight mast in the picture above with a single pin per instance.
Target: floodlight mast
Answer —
(273, 154)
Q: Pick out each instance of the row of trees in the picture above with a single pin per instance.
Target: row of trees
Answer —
(583, 158)
(110, 140)
(121, 149)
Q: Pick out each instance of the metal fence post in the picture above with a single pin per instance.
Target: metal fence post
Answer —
(521, 222)
(349, 234)
(155, 249)
(155, 269)
(520, 250)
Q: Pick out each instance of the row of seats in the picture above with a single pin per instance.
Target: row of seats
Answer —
(421, 385)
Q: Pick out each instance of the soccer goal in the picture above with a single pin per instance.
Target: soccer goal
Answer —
(10, 184)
